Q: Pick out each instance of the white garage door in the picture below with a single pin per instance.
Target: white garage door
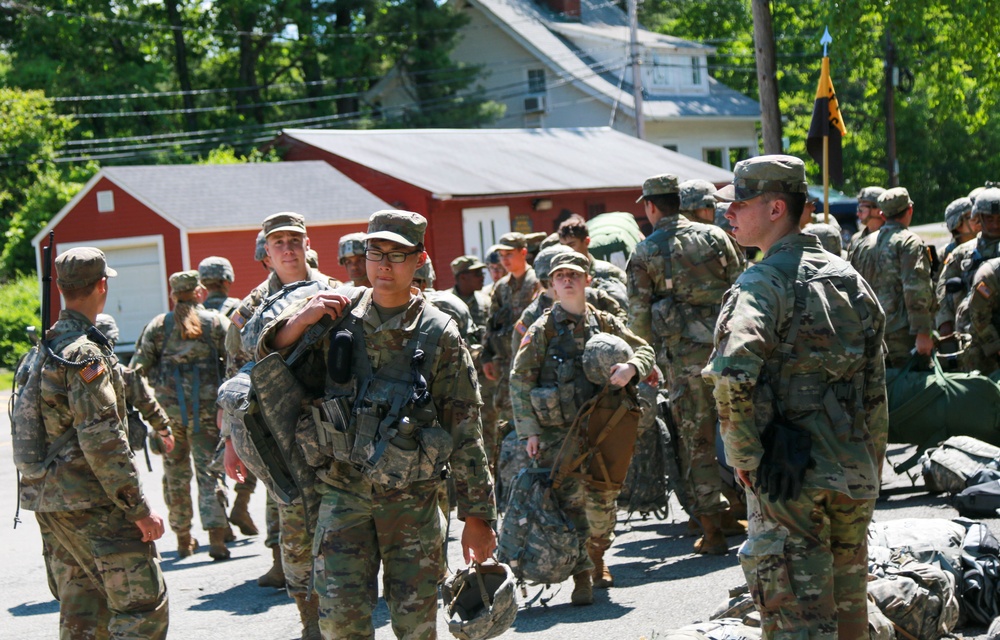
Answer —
(482, 227)
(140, 290)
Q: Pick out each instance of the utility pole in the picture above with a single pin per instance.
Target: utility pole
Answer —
(767, 82)
(633, 48)
(890, 111)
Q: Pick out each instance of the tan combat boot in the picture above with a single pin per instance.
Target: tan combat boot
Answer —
(583, 589)
(275, 576)
(309, 614)
(186, 545)
(712, 542)
(601, 574)
(732, 525)
(217, 543)
(240, 516)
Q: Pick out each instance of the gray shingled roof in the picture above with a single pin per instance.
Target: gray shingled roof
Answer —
(469, 162)
(549, 33)
(233, 196)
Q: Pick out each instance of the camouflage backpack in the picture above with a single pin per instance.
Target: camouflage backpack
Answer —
(946, 468)
(918, 598)
(513, 458)
(537, 540)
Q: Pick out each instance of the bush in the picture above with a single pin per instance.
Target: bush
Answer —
(19, 308)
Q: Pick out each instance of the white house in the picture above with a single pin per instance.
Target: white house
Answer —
(565, 63)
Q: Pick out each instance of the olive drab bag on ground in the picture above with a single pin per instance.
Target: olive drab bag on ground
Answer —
(948, 467)
(537, 540)
(927, 407)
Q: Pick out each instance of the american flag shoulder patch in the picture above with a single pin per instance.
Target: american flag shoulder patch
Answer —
(520, 328)
(92, 371)
(984, 290)
(237, 318)
(526, 339)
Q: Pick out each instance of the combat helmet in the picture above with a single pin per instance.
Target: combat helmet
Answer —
(603, 351)
(480, 601)
(987, 203)
(956, 211)
(106, 324)
(543, 261)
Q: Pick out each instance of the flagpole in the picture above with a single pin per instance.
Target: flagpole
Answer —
(826, 179)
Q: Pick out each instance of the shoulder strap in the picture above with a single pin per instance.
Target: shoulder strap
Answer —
(168, 329)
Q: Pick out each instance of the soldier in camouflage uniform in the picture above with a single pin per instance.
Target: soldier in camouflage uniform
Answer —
(697, 203)
(451, 304)
(574, 234)
(508, 300)
(285, 243)
(181, 354)
(895, 262)
(98, 530)
(955, 284)
(351, 254)
(216, 275)
(962, 226)
(983, 352)
(677, 277)
(870, 217)
(386, 513)
(549, 362)
(798, 363)
(495, 267)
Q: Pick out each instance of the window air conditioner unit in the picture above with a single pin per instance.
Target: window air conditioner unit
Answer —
(534, 104)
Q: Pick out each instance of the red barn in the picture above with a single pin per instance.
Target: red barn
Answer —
(152, 221)
(473, 185)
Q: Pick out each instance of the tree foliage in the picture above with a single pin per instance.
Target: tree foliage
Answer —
(944, 138)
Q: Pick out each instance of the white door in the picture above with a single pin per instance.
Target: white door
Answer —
(139, 292)
(482, 227)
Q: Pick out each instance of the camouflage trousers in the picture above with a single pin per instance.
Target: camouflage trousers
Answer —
(806, 562)
(403, 530)
(297, 528)
(695, 414)
(501, 398)
(488, 413)
(575, 499)
(197, 445)
(898, 346)
(107, 581)
(271, 518)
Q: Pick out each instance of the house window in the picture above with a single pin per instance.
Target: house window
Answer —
(105, 201)
(536, 80)
(595, 209)
(661, 70)
(738, 153)
(696, 71)
(713, 156)
(725, 157)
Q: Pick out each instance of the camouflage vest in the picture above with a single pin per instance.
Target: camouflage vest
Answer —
(270, 308)
(178, 365)
(222, 305)
(384, 422)
(686, 310)
(562, 367)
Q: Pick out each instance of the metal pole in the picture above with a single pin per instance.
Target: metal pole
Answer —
(890, 112)
(633, 48)
(767, 81)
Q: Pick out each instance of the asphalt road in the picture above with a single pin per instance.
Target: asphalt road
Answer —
(660, 584)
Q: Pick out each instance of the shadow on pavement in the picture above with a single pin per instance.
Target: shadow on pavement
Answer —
(243, 600)
(539, 617)
(34, 608)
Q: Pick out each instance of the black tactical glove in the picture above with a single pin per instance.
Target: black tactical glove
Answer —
(785, 461)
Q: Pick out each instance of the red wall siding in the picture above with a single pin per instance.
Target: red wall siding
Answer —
(238, 248)
(130, 218)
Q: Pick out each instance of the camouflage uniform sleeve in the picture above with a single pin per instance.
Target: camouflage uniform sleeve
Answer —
(524, 376)
(918, 292)
(745, 336)
(488, 352)
(141, 396)
(876, 401)
(982, 305)
(93, 401)
(456, 397)
(263, 345)
(147, 349)
(945, 301)
(643, 357)
(736, 261)
(640, 295)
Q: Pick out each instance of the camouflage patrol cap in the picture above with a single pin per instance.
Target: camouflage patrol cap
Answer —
(894, 202)
(260, 249)
(426, 273)
(353, 244)
(603, 351)
(534, 240)
(870, 194)
(765, 174)
(106, 324)
(551, 239)
(216, 268)
(81, 266)
(987, 203)
(461, 264)
(660, 185)
(543, 261)
(571, 260)
(956, 211)
(405, 227)
(183, 281)
(284, 221)
(697, 194)
(312, 258)
(511, 241)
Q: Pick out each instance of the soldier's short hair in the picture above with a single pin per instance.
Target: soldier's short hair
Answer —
(574, 227)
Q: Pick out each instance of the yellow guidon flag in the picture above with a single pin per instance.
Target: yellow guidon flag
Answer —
(827, 122)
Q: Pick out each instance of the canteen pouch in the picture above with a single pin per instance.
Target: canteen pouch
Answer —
(567, 374)
(397, 466)
(545, 402)
(325, 436)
